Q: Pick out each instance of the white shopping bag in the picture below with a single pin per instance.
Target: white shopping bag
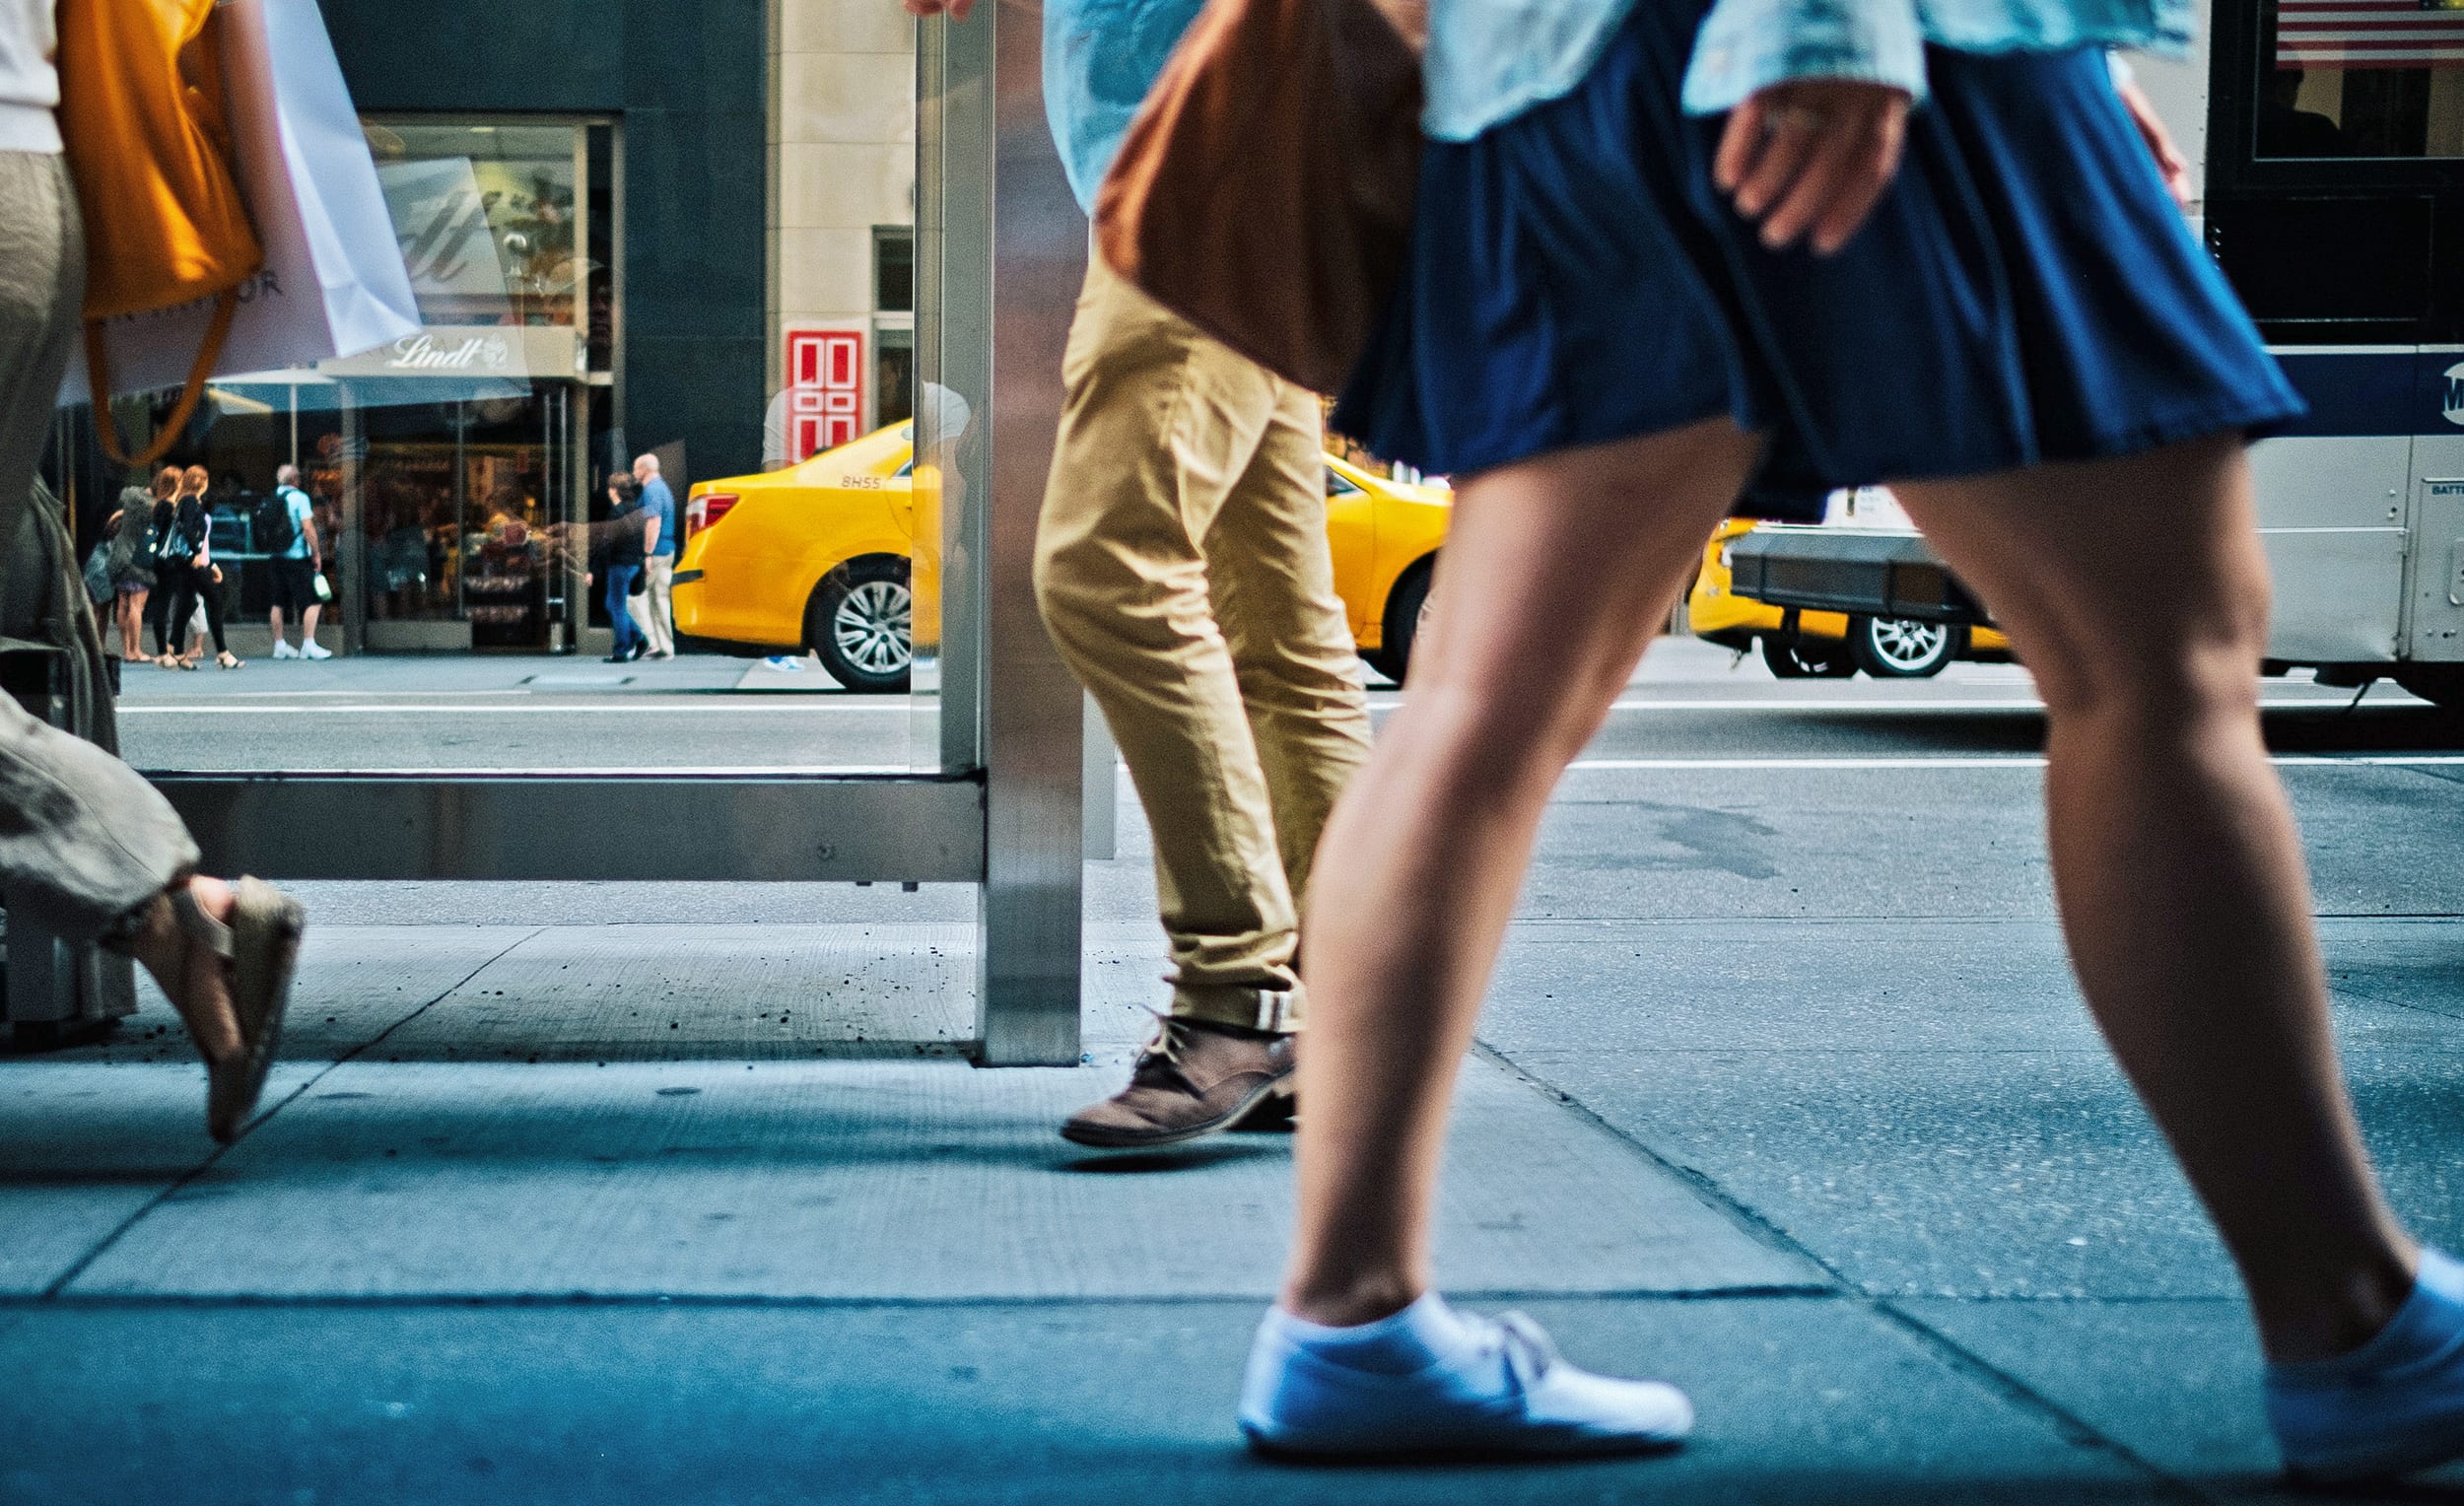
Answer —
(333, 282)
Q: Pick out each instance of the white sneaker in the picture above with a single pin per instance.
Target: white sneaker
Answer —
(314, 651)
(2392, 1407)
(1430, 1383)
(283, 648)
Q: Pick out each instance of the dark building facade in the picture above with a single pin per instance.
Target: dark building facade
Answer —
(684, 84)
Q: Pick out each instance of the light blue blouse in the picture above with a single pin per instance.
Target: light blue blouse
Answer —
(1490, 59)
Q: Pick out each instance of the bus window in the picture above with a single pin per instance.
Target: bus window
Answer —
(2361, 78)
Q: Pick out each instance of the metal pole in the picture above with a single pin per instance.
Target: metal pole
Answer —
(1009, 255)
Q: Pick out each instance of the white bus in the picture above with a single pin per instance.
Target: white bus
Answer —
(2327, 146)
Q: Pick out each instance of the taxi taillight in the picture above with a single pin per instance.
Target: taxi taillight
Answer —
(706, 509)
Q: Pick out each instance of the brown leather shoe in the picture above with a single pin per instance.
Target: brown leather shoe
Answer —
(1194, 1079)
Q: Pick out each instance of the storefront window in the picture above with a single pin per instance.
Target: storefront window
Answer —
(446, 466)
(489, 220)
(2361, 78)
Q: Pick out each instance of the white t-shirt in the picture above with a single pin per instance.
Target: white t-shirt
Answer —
(30, 85)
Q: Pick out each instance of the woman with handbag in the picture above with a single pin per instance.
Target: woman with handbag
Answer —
(196, 524)
(1661, 250)
(170, 558)
(129, 565)
(181, 541)
(92, 850)
(618, 548)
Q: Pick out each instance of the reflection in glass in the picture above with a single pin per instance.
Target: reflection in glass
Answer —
(2361, 78)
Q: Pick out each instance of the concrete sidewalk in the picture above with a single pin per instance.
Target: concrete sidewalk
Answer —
(547, 1208)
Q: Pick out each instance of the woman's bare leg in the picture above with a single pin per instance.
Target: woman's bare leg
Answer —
(2137, 593)
(1570, 561)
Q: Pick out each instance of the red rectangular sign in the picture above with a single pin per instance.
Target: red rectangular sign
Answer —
(825, 391)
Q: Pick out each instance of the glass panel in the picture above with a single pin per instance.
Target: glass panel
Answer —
(2361, 78)
(733, 292)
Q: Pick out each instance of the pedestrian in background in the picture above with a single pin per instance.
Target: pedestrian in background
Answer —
(1183, 569)
(90, 850)
(297, 556)
(167, 577)
(128, 564)
(195, 520)
(651, 597)
(1616, 310)
(618, 548)
(178, 539)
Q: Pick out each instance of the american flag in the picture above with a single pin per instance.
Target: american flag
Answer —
(2369, 33)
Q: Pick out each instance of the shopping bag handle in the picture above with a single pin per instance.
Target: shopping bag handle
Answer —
(98, 380)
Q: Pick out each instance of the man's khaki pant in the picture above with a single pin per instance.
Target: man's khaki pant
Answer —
(1182, 567)
(653, 610)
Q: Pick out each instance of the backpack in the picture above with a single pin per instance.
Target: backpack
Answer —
(272, 531)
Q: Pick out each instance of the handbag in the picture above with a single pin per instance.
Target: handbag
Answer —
(98, 575)
(1265, 191)
(333, 282)
(144, 120)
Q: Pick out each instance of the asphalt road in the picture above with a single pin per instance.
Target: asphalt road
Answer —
(1692, 706)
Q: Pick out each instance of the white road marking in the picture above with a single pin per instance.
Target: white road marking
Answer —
(765, 706)
(769, 705)
(2003, 761)
(1980, 704)
(631, 773)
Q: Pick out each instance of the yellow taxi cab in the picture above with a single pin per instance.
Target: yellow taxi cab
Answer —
(823, 555)
(1823, 645)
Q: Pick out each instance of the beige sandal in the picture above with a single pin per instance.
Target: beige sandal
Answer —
(260, 947)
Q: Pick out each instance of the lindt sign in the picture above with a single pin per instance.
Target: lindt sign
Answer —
(497, 352)
(425, 353)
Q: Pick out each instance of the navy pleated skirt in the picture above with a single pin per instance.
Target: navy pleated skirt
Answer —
(2026, 291)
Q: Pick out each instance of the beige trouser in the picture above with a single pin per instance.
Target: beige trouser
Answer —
(653, 610)
(83, 839)
(1182, 567)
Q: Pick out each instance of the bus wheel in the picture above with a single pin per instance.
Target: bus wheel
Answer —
(1806, 659)
(1903, 648)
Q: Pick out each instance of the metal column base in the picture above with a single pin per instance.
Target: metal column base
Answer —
(57, 991)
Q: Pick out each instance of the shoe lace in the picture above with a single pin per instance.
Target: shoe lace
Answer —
(1160, 1059)
(1528, 1350)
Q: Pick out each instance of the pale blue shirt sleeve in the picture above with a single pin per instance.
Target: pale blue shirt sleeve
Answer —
(1747, 45)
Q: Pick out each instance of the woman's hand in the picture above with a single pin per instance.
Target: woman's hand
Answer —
(2169, 161)
(1810, 158)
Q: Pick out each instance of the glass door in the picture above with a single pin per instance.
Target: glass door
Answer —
(804, 358)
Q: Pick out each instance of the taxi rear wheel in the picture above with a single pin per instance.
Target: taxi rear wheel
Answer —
(1903, 649)
(862, 625)
(1407, 612)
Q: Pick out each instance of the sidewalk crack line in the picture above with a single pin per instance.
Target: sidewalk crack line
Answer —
(85, 1263)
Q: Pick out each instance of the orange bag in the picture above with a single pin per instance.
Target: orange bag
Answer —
(142, 116)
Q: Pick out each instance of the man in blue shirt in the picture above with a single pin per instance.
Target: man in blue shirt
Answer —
(1182, 571)
(298, 563)
(650, 610)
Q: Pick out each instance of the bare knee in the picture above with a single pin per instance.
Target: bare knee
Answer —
(2160, 678)
(1481, 750)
